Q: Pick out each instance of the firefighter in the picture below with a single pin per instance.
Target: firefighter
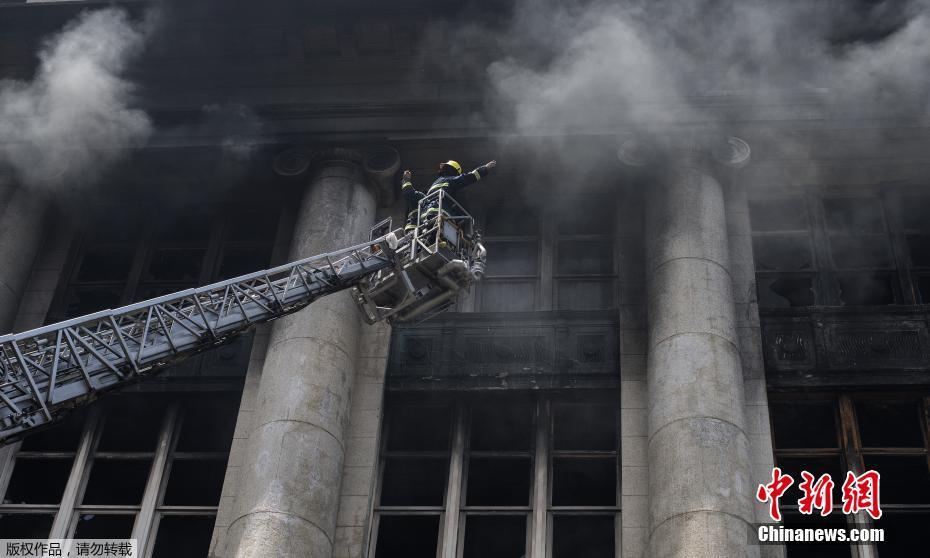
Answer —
(413, 197)
(452, 180)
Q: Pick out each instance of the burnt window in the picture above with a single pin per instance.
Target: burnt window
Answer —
(836, 433)
(555, 253)
(915, 225)
(107, 454)
(513, 241)
(819, 250)
(584, 253)
(494, 463)
(860, 250)
(783, 252)
(124, 257)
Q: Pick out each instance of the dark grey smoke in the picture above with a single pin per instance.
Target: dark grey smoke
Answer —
(556, 65)
(75, 117)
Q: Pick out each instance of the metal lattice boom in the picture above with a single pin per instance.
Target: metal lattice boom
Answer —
(49, 370)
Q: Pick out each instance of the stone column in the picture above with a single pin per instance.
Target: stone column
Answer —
(699, 485)
(21, 221)
(293, 463)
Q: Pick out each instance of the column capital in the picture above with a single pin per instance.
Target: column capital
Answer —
(700, 150)
(377, 165)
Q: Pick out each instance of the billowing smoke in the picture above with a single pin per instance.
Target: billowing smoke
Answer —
(555, 65)
(75, 117)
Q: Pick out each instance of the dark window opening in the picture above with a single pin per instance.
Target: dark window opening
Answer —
(904, 533)
(195, 483)
(804, 424)
(495, 536)
(131, 426)
(498, 481)
(243, 261)
(891, 440)
(61, 437)
(485, 482)
(584, 257)
(508, 296)
(501, 425)
(873, 289)
(25, 525)
(37, 481)
(117, 481)
(125, 262)
(782, 253)
(101, 264)
(785, 291)
(584, 427)
(914, 211)
(860, 252)
(588, 481)
(208, 423)
(591, 536)
(854, 215)
(918, 246)
(183, 536)
(425, 428)
(502, 220)
(178, 265)
(414, 481)
(407, 536)
(923, 289)
(785, 214)
(512, 258)
(893, 424)
(103, 526)
(905, 479)
(585, 294)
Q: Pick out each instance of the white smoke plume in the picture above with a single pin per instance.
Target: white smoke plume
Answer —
(560, 65)
(74, 118)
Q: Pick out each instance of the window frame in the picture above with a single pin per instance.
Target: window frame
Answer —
(540, 512)
(824, 272)
(144, 247)
(851, 451)
(548, 238)
(148, 513)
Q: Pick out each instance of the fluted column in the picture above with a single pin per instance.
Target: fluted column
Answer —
(699, 485)
(21, 222)
(293, 464)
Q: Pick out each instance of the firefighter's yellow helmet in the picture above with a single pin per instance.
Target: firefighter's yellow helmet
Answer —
(453, 164)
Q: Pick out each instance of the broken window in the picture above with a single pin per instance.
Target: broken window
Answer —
(785, 291)
(495, 455)
(840, 253)
(866, 289)
(782, 251)
(915, 224)
(859, 239)
(836, 433)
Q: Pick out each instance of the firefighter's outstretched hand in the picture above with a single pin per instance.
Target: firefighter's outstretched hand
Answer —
(491, 164)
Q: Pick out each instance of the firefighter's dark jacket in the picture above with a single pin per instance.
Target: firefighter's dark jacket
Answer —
(452, 184)
(413, 197)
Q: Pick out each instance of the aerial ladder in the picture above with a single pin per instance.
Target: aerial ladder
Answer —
(393, 277)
